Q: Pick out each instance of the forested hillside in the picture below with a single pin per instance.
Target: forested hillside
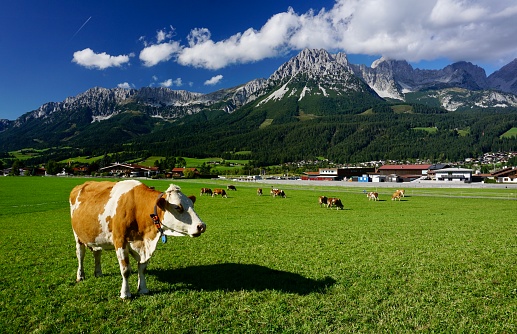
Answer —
(380, 133)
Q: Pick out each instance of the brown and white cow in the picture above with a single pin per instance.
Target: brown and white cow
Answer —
(206, 191)
(259, 191)
(334, 202)
(372, 196)
(219, 191)
(118, 215)
(277, 192)
(402, 192)
(396, 195)
(231, 187)
(322, 200)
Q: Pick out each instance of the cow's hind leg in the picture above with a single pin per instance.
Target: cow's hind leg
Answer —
(80, 249)
(97, 257)
(125, 271)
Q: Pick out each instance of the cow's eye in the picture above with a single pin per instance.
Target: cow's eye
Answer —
(179, 208)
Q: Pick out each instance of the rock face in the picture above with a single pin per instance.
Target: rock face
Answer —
(394, 78)
(314, 73)
(310, 73)
(505, 79)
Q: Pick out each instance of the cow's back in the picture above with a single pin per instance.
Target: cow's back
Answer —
(93, 207)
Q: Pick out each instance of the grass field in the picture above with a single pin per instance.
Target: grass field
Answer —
(440, 260)
(510, 133)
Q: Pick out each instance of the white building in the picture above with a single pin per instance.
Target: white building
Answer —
(454, 174)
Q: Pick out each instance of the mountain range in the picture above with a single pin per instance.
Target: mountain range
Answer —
(311, 85)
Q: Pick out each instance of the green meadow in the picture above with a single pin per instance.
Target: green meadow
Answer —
(440, 260)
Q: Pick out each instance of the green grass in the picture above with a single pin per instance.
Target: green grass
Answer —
(431, 130)
(510, 133)
(441, 260)
(402, 109)
(267, 122)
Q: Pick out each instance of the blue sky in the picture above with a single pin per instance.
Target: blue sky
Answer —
(53, 49)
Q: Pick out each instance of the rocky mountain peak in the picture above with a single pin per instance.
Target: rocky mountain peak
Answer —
(313, 63)
(505, 79)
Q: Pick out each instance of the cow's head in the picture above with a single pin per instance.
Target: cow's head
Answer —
(179, 216)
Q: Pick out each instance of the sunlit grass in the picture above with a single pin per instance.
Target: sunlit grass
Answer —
(440, 260)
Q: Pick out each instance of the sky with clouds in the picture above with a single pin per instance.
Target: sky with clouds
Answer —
(54, 50)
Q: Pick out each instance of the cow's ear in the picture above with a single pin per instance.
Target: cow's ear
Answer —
(192, 198)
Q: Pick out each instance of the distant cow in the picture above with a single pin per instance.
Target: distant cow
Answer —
(323, 200)
(396, 195)
(277, 192)
(259, 191)
(334, 202)
(218, 191)
(230, 187)
(402, 192)
(129, 217)
(206, 191)
(372, 196)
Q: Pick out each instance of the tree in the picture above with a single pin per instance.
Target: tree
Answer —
(189, 173)
(204, 169)
(180, 162)
(15, 168)
(53, 167)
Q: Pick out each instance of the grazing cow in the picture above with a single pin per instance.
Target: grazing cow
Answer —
(396, 195)
(372, 196)
(322, 200)
(278, 192)
(218, 191)
(230, 187)
(130, 218)
(333, 201)
(402, 192)
(206, 191)
(259, 191)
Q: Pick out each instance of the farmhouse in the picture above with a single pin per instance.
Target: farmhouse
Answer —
(129, 170)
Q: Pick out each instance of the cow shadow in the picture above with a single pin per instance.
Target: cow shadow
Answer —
(238, 277)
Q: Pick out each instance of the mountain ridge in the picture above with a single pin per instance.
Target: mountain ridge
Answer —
(391, 79)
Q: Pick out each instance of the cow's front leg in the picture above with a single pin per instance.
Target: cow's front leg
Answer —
(142, 287)
(97, 257)
(125, 271)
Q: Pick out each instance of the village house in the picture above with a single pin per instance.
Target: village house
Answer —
(129, 170)
(506, 175)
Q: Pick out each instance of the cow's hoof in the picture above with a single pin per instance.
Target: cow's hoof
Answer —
(143, 291)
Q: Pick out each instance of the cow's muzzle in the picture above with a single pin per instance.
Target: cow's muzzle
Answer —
(201, 228)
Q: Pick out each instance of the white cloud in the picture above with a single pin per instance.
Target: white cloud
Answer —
(472, 30)
(125, 85)
(169, 83)
(214, 80)
(156, 53)
(101, 61)
(162, 35)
